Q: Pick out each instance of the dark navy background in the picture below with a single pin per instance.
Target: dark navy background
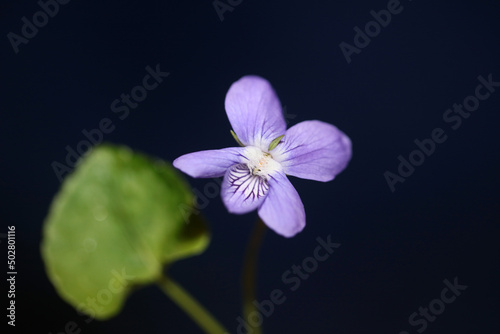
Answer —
(396, 247)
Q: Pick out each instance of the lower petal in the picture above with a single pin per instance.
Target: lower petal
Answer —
(282, 210)
(242, 191)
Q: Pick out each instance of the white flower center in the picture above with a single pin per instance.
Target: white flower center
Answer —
(261, 163)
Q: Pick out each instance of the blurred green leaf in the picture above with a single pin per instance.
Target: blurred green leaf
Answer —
(115, 223)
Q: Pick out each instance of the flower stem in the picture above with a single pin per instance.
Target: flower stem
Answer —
(191, 306)
(250, 271)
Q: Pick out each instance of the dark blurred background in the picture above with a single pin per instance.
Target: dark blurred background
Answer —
(397, 247)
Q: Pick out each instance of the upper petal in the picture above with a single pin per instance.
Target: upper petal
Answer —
(210, 163)
(282, 210)
(254, 111)
(242, 191)
(313, 150)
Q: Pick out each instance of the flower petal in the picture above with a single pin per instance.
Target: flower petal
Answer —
(313, 150)
(282, 210)
(210, 163)
(254, 111)
(242, 191)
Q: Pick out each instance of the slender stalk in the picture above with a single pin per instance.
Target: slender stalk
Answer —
(191, 306)
(249, 274)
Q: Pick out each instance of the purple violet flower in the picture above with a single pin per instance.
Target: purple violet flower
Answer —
(255, 175)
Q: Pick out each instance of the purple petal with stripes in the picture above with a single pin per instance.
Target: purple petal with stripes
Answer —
(242, 191)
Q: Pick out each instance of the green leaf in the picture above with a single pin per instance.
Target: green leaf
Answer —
(115, 223)
(275, 142)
